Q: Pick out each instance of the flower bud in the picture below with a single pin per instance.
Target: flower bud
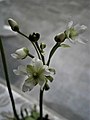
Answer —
(60, 37)
(46, 87)
(13, 24)
(42, 45)
(20, 53)
(34, 37)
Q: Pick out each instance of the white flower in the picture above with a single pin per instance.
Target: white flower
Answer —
(73, 32)
(20, 53)
(36, 73)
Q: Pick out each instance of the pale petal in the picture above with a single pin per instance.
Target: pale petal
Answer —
(77, 27)
(82, 29)
(22, 68)
(29, 81)
(37, 63)
(17, 72)
(82, 40)
(70, 24)
(41, 82)
(28, 85)
(25, 88)
(15, 56)
(46, 70)
(72, 40)
(21, 52)
(20, 71)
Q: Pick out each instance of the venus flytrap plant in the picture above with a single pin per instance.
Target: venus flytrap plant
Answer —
(39, 71)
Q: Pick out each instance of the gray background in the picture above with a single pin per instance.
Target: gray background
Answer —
(70, 91)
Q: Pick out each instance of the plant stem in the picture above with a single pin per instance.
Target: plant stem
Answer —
(23, 34)
(40, 52)
(7, 79)
(41, 103)
(30, 55)
(52, 52)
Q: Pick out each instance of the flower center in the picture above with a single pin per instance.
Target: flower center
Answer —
(35, 75)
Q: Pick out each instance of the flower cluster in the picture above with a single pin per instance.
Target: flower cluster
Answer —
(37, 72)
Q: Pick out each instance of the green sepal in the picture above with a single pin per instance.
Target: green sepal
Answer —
(30, 69)
(29, 118)
(50, 78)
(46, 87)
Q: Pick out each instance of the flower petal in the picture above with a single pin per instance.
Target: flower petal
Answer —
(77, 27)
(70, 24)
(81, 40)
(17, 72)
(41, 82)
(28, 84)
(80, 29)
(25, 88)
(37, 63)
(15, 56)
(83, 27)
(72, 40)
(46, 70)
(21, 70)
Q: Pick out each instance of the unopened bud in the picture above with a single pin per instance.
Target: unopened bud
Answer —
(46, 87)
(13, 24)
(60, 37)
(21, 53)
(34, 37)
(42, 45)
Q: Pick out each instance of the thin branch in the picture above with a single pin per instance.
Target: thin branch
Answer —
(7, 79)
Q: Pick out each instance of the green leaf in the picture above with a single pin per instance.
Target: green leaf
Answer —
(35, 114)
(64, 45)
(29, 118)
(50, 78)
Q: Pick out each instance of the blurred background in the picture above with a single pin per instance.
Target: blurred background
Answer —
(69, 93)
